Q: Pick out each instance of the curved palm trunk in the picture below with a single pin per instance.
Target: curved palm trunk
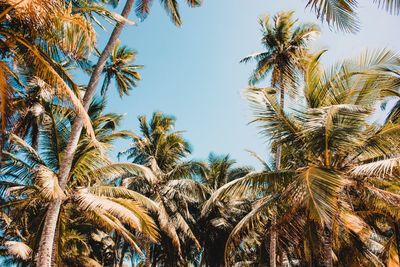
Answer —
(43, 257)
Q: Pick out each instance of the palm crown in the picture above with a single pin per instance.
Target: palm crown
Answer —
(285, 46)
(119, 67)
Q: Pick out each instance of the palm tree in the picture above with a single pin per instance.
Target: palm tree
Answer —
(119, 68)
(42, 45)
(218, 219)
(29, 182)
(44, 255)
(338, 165)
(286, 50)
(286, 53)
(161, 151)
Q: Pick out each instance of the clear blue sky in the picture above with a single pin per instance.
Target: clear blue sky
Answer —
(193, 72)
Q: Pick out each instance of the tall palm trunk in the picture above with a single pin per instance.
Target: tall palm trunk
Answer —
(273, 234)
(43, 256)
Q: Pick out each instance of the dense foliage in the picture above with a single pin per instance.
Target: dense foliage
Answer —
(328, 195)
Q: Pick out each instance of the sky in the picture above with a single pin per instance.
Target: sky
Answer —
(193, 72)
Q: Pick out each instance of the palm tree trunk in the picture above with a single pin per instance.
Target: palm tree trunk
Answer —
(54, 252)
(44, 254)
(105, 92)
(43, 257)
(327, 247)
(397, 236)
(274, 235)
(123, 252)
(272, 243)
(147, 261)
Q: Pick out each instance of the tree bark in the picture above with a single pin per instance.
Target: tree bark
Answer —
(44, 254)
(43, 257)
(123, 252)
(327, 247)
(272, 243)
(397, 236)
(147, 260)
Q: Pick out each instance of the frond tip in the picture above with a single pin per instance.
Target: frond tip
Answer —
(18, 249)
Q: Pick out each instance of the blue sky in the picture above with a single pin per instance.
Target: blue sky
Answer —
(193, 72)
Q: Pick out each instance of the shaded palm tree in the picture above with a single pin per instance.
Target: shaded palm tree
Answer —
(44, 254)
(29, 182)
(338, 165)
(37, 44)
(119, 67)
(217, 220)
(162, 151)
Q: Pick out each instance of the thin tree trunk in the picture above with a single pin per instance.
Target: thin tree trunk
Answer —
(116, 250)
(397, 236)
(43, 257)
(274, 235)
(105, 92)
(327, 247)
(147, 260)
(272, 243)
(123, 252)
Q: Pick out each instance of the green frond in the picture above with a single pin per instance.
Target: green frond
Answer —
(318, 189)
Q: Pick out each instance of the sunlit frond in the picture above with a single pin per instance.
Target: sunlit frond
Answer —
(378, 168)
(91, 202)
(47, 183)
(18, 249)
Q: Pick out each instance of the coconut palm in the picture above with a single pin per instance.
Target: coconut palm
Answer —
(44, 255)
(286, 49)
(30, 182)
(286, 54)
(334, 158)
(217, 220)
(161, 150)
(119, 68)
(41, 39)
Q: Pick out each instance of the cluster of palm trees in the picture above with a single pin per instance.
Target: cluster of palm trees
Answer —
(329, 195)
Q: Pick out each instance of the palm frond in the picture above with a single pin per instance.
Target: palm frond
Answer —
(47, 183)
(340, 14)
(18, 249)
